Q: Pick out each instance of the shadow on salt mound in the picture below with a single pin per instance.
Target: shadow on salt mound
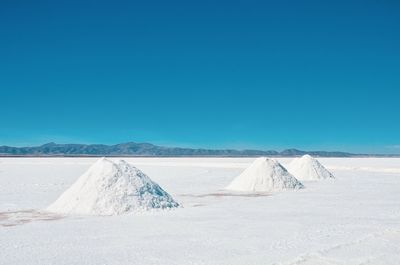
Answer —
(264, 175)
(112, 188)
(309, 168)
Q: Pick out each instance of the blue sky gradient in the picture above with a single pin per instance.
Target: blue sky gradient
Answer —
(217, 74)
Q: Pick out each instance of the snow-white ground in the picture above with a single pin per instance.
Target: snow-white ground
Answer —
(354, 219)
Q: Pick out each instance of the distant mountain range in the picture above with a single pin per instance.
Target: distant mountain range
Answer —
(146, 149)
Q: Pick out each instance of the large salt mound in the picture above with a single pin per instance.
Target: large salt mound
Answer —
(111, 188)
(264, 175)
(308, 168)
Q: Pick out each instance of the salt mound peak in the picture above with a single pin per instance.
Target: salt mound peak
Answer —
(309, 168)
(111, 188)
(264, 175)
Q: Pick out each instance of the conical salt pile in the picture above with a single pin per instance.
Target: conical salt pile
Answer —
(264, 175)
(308, 168)
(111, 188)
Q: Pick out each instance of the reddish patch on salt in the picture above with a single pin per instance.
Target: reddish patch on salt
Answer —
(14, 218)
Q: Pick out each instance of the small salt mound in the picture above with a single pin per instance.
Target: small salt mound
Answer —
(264, 175)
(111, 188)
(308, 168)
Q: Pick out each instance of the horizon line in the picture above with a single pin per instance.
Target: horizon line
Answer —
(204, 148)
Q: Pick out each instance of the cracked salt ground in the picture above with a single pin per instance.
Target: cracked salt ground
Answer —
(379, 248)
(353, 220)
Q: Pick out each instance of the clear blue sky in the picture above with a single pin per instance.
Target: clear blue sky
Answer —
(240, 74)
